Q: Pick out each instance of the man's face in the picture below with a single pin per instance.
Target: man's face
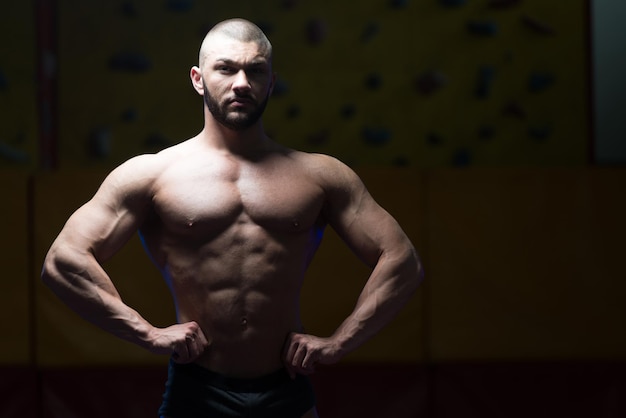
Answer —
(237, 82)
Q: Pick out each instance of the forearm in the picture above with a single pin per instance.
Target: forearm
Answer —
(391, 284)
(81, 283)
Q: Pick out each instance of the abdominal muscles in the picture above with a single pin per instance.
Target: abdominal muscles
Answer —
(233, 241)
(243, 289)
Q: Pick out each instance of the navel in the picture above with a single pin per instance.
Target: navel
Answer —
(244, 322)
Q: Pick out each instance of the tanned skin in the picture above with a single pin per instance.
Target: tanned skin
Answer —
(232, 220)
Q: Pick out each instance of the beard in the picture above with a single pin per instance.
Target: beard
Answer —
(237, 121)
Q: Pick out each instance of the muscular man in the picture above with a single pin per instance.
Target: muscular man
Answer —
(232, 220)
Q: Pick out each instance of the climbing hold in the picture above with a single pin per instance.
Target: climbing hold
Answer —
(539, 81)
(129, 115)
(316, 31)
(12, 154)
(540, 133)
(461, 158)
(99, 143)
(398, 4)
(429, 82)
(537, 26)
(484, 82)
(320, 137)
(293, 112)
(486, 133)
(482, 28)
(289, 4)
(370, 31)
(179, 5)
(401, 161)
(281, 88)
(373, 81)
(434, 139)
(376, 136)
(132, 62)
(502, 4)
(514, 109)
(348, 111)
(452, 3)
(156, 140)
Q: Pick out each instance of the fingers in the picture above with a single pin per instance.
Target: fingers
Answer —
(202, 340)
(308, 363)
(181, 352)
(289, 352)
(189, 344)
(300, 355)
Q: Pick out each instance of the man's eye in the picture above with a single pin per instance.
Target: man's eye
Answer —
(256, 71)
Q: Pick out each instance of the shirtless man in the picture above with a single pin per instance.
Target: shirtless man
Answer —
(232, 220)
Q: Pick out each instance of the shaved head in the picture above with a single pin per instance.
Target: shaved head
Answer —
(238, 29)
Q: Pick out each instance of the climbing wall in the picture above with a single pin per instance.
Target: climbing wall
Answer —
(425, 83)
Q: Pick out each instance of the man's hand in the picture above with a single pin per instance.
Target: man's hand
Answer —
(185, 342)
(303, 352)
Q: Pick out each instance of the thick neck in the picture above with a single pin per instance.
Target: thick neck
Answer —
(246, 142)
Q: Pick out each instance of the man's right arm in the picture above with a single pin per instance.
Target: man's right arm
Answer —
(94, 233)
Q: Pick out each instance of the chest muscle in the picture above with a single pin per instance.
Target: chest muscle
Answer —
(208, 204)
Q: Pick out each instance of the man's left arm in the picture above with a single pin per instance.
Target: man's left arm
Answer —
(379, 241)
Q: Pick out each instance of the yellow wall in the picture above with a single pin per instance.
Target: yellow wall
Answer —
(325, 77)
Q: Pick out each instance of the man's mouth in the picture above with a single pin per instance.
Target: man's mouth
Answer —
(241, 100)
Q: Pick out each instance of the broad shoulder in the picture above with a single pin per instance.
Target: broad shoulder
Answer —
(138, 174)
(346, 197)
(329, 172)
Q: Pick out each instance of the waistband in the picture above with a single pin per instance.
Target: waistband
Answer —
(206, 376)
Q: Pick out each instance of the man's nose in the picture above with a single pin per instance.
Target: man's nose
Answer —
(241, 82)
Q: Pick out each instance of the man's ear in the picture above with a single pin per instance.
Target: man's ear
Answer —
(196, 80)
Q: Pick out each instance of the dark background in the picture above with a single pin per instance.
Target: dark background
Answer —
(475, 123)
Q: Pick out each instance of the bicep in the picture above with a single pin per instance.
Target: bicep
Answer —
(366, 227)
(98, 229)
(370, 232)
(107, 221)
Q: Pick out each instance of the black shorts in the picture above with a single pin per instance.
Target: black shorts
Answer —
(192, 391)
